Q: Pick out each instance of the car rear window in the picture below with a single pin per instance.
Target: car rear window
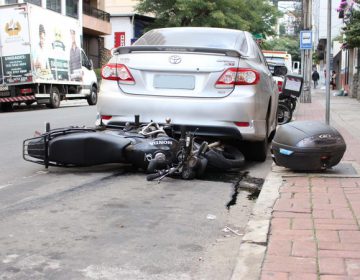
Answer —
(196, 37)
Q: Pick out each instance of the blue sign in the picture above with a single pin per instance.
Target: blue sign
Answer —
(305, 40)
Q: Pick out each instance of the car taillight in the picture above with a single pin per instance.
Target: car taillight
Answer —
(105, 117)
(280, 86)
(242, 124)
(237, 76)
(117, 72)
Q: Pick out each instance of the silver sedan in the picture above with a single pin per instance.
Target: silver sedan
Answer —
(211, 80)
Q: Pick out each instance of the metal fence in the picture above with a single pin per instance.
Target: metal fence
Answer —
(94, 12)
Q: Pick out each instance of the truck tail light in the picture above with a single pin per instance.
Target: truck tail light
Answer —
(117, 72)
(106, 117)
(26, 90)
(280, 86)
(237, 76)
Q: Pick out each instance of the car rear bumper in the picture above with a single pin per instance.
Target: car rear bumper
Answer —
(210, 116)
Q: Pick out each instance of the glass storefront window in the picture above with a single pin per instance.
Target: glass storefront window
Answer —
(11, 1)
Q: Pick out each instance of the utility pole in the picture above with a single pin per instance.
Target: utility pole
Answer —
(306, 55)
(328, 74)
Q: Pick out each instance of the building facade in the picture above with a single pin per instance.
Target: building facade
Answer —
(344, 61)
(288, 21)
(127, 25)
(319, 9)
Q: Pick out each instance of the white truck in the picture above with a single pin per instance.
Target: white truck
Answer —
(41, 59)
(282, 58)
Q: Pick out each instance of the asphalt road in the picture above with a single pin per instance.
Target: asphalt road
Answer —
(108, 222)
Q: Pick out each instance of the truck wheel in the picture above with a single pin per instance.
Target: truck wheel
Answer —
(54, 98)
(7, 107)
(92, 99)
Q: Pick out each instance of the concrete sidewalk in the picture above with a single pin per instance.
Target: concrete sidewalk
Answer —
(307, 226)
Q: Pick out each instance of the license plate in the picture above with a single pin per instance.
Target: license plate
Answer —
(174, 82)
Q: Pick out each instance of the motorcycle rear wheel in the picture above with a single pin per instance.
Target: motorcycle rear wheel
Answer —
(284, 113)
(226, 158)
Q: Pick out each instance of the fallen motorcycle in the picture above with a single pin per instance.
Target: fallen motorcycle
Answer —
(150, 147)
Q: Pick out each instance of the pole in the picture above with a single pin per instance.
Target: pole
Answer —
(328, 74)
(306, 54)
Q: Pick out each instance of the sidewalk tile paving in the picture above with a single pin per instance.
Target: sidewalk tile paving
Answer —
(315, 232)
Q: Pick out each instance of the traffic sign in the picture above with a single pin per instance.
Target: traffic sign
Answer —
(306, 40)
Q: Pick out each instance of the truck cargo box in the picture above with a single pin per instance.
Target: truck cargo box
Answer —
(41, 58)
(307, 146)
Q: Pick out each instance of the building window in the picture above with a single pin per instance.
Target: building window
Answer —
(54, 5)
(11, 1)
(72, 8)
(36, 2)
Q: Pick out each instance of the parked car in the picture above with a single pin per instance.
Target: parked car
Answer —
(211, 80)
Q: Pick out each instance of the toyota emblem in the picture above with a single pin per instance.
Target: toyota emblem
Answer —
(174, 59)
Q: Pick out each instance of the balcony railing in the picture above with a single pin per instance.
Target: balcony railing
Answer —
(94, 12)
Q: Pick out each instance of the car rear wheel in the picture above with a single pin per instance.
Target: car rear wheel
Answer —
(258, 150)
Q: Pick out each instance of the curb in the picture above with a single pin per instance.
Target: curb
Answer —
(254, 243)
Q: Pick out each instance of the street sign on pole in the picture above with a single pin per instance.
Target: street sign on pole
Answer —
(306, 40)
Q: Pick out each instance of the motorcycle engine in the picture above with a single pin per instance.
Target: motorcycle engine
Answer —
(153, 154)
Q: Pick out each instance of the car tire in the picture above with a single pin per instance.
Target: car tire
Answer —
(54, 98)
(258, 150)
(92, 98)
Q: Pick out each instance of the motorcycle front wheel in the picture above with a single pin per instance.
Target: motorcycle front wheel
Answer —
(224, 158)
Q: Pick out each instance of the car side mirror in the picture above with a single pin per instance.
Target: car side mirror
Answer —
(280, 70)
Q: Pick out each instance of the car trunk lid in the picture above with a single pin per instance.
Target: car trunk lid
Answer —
(177, 74)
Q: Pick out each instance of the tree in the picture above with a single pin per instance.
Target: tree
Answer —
(288, 43)
(352, 31)
(256, 16)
